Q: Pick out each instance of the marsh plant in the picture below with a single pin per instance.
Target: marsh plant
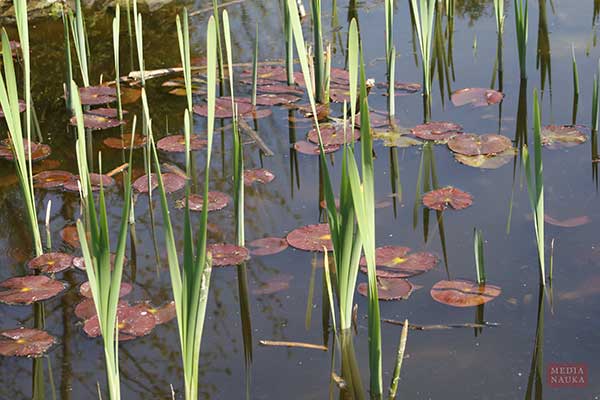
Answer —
(423, 12)
(390, 55)
(522, 27)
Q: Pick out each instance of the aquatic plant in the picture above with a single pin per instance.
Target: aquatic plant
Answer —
(522, 27)
(535, 184)
(390, 55)
(399, 358)
(595, 104)
(116, 31)
(103, 275)
(423, 19)
(80, 41)
(575, 86)
(289, 44)
(190, 291)
(479, 259)
(9, 100)
(318, 62)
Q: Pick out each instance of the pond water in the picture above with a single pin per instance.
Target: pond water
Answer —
(492, 363)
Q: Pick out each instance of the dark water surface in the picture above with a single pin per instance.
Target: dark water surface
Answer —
(446, 364)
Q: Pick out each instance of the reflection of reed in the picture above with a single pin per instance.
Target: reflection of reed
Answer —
(535, 382)
(544, 59)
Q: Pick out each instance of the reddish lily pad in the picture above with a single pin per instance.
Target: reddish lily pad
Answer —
(93, 95)
(172, 183)
(308, 148)
(569, 222)
(333, 134)
(53, 179)
(470, 144)
(272, 99)
(477, 97)
(216, 201)
(389, 289)
(322, 111)
(96, 180)
(275, 73)
(377, 119)
(86, 308)
(130, 95)
(437, 131)
(267, 246)
(39, 151)
(97, 122)
(487, 161)
(258, 113)
(311, 238)
(86, 292)
(440, 199)
(339, 94)
(29, 289)
(562, 136)
(79, 262)
(223, 107)
(401, 88)
(176, 143)
(133, 322)
(106, 112)
(396, 262)
(260, 175)
(224, 254)
(22, 107)
(163, 314)
(278, 89)
(274, 285)
(124, 142)
(51, 263)
(25, 342)
(463, 293)
(70, 236)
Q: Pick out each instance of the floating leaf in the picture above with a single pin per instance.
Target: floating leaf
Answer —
(487, 161)
(96, 180)
(400, 88)
(470, 144)
(224, 254)
(437, 131)
(22, 107)
(440, 199)
(97, 122)
(54, 179)
(562, 136)
(25, 342)
(86, 292)
(51, 263)
(176, 143)
(569, 222)
(93, 95)
(389, 289)
(477, 97)
(163, 314)
(69, 235)
(396, 262)
(29, 289)
(223, 107)
(86, 308)
(272, 99)
(260, 175)
(278, 283)
(79, 262)
(277, 89)
(172, 182)
(258, 113)
(395, 138)
(267, 246)
(130, 95)
(124, 142)
(308, 148)
(463, 293)
(311, 238)
(216, 201)
(333, 134)
(39, 151)
(106, 112)
(134, 321)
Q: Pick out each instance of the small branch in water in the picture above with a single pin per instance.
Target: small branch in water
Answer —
(442, 326)
(254, 135)
(293, 344)
(115, 171)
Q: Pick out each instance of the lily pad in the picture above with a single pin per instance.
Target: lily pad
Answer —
(438, 131)
(273, 99)
(97, 122)
(278, 283)
(79, 262)
(440, 199)
(22, 107)
(93, 95)
(470, 144)
(86, 292)
(477, 97)
(260, 175)
(258, 113)
(400, 88)
(106, 112)
(569, 222)
(395, 138)
(267, 246)
(312, 149)
(172, 183)
(86, 308)
(124, 142)
(396, 262)
(134, 321)
(70, 236)
(389, 289)
(25, 342)
(224, 254)
(216, 201)
(96, 180)
(333, 134)
(311, 238)
(463, 293)
(53, 179)
(51, 263)
(130, 95)
(223, 107)
(39, 151)
(176, 143)
(487, 161)
(163, 314)
(29, 289)
(278, 88)
(562, 136)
